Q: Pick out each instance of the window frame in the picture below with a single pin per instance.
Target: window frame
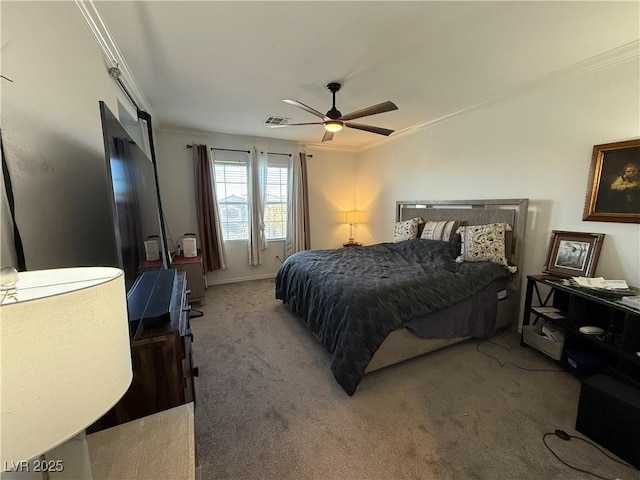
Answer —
(282, 164)
(225, 223)
(273, 161)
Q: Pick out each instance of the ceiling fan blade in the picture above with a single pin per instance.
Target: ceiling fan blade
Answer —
(327, 136)
(370, 128)
(295, 124)
(372, 110)
(301, 105)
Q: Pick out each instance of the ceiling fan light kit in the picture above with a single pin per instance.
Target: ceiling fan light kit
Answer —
(334, 121)
(332, 126)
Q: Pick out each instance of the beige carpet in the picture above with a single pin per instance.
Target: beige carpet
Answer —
(268, 406)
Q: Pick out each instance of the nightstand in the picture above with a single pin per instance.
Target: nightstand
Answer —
(195, 275)
(351, 244)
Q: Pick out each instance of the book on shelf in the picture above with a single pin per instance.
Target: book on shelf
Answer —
(633, 301)
(600, 282)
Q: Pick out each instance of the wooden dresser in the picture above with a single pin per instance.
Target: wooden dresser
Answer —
(163, 370)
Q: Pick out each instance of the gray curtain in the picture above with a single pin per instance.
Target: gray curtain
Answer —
(298, 235)
(257, 192)
(210, 230)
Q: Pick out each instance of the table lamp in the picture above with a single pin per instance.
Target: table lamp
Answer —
(351, 217)
(65, 361)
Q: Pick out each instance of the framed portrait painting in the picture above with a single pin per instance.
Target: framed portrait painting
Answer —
(613, 191)
(573, 254)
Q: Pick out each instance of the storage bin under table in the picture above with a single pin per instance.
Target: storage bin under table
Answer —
(532, 335)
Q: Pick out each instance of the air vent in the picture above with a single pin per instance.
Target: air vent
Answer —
(272, 120)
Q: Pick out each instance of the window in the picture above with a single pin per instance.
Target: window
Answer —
(275, 208)
(231, 188)
(231, 177)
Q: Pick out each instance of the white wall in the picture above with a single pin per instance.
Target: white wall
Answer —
(53, 136)
(332, 174)
(331, 187)
(536, 145)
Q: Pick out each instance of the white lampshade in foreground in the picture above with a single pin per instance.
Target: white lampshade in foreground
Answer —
(64, 356)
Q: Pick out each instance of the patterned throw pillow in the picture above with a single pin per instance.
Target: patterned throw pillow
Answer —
(445, 231)
(406, 230)
(484, 243)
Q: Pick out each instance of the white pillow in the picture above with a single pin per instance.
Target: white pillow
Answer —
(406, 230)
(481, 243)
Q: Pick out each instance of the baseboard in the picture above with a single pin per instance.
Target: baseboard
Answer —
(242, 279)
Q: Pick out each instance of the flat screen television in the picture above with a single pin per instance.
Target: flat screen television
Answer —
(135, 200)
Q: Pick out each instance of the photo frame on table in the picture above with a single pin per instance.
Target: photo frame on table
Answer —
(613, 191)
(573, 254)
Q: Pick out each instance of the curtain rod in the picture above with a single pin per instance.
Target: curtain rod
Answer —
(247, 151)
(275, 153)
(127, 93)
(224, 149)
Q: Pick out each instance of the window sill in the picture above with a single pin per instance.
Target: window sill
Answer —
(246, 240)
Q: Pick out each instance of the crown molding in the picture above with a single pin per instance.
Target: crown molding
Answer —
(611, 58)
(110, 51)
(622, 54)
(324, 146)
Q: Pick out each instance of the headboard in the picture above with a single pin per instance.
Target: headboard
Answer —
(477, 212)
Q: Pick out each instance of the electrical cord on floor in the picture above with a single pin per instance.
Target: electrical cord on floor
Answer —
(566, 437)
(502, 364)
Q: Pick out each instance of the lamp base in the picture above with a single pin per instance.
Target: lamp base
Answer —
(351, 243)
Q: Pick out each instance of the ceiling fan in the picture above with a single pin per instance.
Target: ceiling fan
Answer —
(333, 121)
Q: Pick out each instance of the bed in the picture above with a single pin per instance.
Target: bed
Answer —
(377, 305)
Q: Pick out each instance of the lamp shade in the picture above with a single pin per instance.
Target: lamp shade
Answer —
(352, 216)
(64, 356)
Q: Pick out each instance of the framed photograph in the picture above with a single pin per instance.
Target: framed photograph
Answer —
(613, 192)
(573, 254)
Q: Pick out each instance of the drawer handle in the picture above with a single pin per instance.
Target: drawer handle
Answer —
(195, 372)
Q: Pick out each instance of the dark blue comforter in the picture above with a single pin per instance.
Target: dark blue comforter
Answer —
(352, 298)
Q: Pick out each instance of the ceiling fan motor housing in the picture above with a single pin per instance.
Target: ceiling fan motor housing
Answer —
(334, 113)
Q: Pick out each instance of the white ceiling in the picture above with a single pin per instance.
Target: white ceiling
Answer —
(225, 66)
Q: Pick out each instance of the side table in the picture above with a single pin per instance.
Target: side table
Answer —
(194, 269)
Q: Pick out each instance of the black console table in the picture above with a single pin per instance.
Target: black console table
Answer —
(615, 351)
